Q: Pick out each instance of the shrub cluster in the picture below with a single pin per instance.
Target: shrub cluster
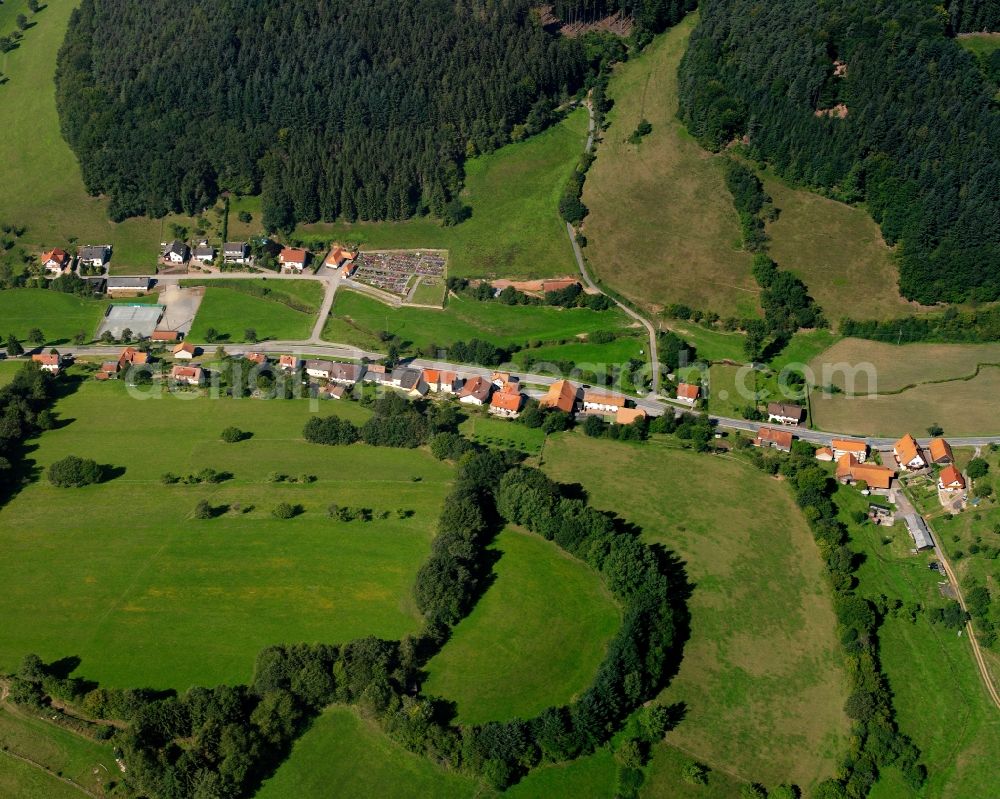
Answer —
(74, 472)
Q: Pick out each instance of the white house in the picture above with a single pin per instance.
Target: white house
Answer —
(191, 375)
(96, 255)
(48, 362)
(849, 446)
(55, 261)
(235, 252)
(204, 252)
(176, 252)
(688, 393)
(476, 391)
(908, 453)
(293, 258)
(184, 351)
(785, 413)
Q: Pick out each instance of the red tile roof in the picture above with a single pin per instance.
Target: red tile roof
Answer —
(561, 395)
(951, 477)
(293, 255)
(781, 438)
(688, 391)
(506, 401)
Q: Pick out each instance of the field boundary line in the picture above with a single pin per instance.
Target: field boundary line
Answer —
(40, 767)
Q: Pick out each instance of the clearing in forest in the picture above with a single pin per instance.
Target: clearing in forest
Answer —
(662, 228)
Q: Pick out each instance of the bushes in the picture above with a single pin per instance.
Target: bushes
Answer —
(232, 435)
(330, 430)
(74, 472)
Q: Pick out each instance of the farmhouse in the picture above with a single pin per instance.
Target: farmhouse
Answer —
(96, 255)
(629, 415)
(289, 363)
(176, 252)
(108, 370)
(191, 375)
(561, 396)
(235, 252)
(688, 392)
(333, 391)
(55, 261)
(780, 440)
(507, 402)
(849, 446)
(411, 381)
(204, 252)
(130, 355)
(293, 258)
(346, 374)
(824, 454)
(127, 285)
(951, 479)
(785, 413)
(49, 362)
(850, 471)
(940, 451)
(476, 391)
(377, 373)
(184, 351)
(165, 335)
(443, 382)
(918, 531)
(602, 402)
(908, 454)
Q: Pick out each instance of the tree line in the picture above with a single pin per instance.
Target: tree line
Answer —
(917, 137)
(332, 110)
(652, 16)
(24, 411)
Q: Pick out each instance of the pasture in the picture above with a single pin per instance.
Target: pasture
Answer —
(502, 434)
(954, 724)
(358, 319)
(662, 227)
(231, 311)
(838, 251)
(43, 187)
(59, 316)
(761, 678)
(733, 388)
(340, 741)
(586, 355)
(122, 575)
(53, 748)
(919, 385)
(533, 641)
(515, 229)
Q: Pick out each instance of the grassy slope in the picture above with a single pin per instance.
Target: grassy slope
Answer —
(231, 312)
(761, 675)
(515, 228)
(330, 754)
(43, 188)
(591, 357)
(308, 292)
(54, 748)
(357, 319)
(59, 316)
(23, 781)
(662, 227)
(838, 251)
(490, 430)
(533, 641)
(938, 696)
(980, 44)
(120, 575)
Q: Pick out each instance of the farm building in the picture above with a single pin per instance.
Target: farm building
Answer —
(785, 413)
(629, 415)
(561, 396)
(824, 454)
(918, 531)
(128, 285)
(850, 471)
(602, 402)
(780, 440)
(940, 451)
(507, 402)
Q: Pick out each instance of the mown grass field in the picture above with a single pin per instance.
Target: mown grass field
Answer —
(761, 678)
(349, 752)
(43, 188)
(121, 575)
(534, 640)
(54, 749)
(938, 697)
(358, 319)
(980, 44)
(502, 433)
(733, 388)
(933, 384)
(231, 312)
(838, 252)
(662, 227)
(59, 316)
(515, 229)
(585, 355)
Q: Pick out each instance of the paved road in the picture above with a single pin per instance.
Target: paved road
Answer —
(654, 356)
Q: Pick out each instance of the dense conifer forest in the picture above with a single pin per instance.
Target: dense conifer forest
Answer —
(333, 109)
(970, 16)
(868, 101)
(651, 15)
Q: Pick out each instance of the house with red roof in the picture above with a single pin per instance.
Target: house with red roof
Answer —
(293, 258)
(49, 361)
(507, 402)
(774, 438)
(55, 261)
(951, 479)
(688, 393)
(190, 375)
(561, 396)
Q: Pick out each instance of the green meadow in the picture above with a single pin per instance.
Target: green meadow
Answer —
(939, 699)
(231, 312)
(345, 750)
(515, 229)
(502, 433)
(359, 319)
(761, 680)
(59, 316)
(122, 576)
(501, 664)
